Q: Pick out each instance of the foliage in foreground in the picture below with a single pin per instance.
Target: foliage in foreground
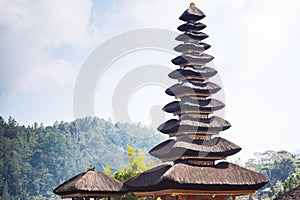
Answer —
(136, 164)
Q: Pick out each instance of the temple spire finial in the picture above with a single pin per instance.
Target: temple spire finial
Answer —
(192, 4)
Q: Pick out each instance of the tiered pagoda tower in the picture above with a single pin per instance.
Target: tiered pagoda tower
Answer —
(195, 146)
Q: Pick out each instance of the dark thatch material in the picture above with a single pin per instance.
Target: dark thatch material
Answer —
(191, 36)
(90, 182)
(193, 65)
(191, 58)
(186, 88)
(191, 27)
(223, 176)
(187, 47)
(192, 14)
(172, 150)
(202, 73)
(213, 124)
(293, 194)
(188, 105)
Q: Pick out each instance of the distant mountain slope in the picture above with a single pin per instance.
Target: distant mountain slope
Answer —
(35, 159)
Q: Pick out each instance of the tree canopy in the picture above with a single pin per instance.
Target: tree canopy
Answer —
(281, 167)
(35, 159)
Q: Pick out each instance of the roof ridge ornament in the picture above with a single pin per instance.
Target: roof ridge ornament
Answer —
(91, 168)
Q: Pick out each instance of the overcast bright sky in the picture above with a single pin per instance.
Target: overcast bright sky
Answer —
(43, 45)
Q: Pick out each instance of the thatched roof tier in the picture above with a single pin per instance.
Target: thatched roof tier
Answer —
(213, 124)
(90, 183)
(221, 177)
(192, 58)
(205, 135)
(206, 161)
(195, 37)
(195, 137)
(191, 27)
(192, 14)
(174, 149)
(188, 105)
(193, 79)
(186, 88)
(193, 65)
(293, 194)
(189, 72)
(191, 47)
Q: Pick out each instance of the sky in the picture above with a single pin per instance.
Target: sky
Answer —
(45, 45)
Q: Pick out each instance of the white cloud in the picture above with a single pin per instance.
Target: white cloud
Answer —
(255, 42)
(126, 15)
(29, 31)
(260, 74)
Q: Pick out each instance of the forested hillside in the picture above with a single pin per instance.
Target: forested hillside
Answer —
(35, 159)
(282, 168)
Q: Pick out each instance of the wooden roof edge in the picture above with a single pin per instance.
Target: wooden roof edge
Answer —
(175, 192)
(93, 194)
(172, 192)
(200, 158)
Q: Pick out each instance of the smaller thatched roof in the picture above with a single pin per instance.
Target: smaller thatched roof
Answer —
(293, 194)
(202, 73)
(191, 26)
(212, 124)
(192, 58)
(187, 47)
(90, 183)
(221, 177)
(188, 88)
(192, 14)
(196, 37)
(173, 149)
(188, 105)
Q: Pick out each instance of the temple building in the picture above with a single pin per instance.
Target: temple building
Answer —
(90, 185)
(195, 149)
(195, 153)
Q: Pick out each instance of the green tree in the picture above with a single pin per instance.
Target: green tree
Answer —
(5, 193)
(282, 169)
(278, 166)
(136, 165)
(292, 181)
(37, 158)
